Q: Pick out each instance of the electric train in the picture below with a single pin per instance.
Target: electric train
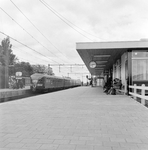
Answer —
(43, 82)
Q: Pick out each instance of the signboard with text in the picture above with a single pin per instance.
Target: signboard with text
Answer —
(18, 75)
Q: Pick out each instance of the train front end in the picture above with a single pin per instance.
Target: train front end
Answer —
(37, 82)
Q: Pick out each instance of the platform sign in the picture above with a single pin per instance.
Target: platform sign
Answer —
(18, 75)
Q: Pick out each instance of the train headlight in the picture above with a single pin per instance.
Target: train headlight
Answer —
(39, 84)
(34, 81)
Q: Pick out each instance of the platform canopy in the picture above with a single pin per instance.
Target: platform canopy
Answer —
(100, 56)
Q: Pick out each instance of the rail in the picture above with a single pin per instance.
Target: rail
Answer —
(141, 95)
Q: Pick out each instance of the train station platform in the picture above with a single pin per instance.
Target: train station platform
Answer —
(6, 94)
(82, 118)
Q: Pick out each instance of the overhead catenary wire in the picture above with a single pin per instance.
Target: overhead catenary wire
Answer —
(26, 31)
(16, 48)
(27, 60)
(27, 46)
(45, 4)
(58, 65)
(36, 27)
(21, 51)
(43, 55)
(31, 62)
(61, 17)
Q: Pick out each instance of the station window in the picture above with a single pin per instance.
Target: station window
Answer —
(139, 65)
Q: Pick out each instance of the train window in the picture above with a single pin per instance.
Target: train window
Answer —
(139, 65)
(139, 54)
(49, 80)
(41, 80)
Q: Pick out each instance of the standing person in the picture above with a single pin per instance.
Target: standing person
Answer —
(108, 85)
(91, 82)
(21, 83)
(14, 84)
(95, 81)
(17, 83)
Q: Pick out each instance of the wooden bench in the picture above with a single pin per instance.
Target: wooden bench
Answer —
(122, 92)
(119, 89)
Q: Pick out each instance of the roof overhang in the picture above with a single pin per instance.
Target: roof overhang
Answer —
(106, 53)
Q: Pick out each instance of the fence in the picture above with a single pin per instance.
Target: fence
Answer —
(136, 92)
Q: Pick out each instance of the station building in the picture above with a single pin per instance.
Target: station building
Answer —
(125, 60)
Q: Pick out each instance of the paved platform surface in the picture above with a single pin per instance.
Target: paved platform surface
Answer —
(82, 118)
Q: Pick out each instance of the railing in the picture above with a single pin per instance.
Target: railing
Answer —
(143, 88)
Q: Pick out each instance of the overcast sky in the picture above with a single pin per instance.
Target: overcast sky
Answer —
(51, 28)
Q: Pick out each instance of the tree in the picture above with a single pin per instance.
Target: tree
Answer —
(1, 55)
(40, 68)
(50, 71)
(12, 58)
(4, 55)
(25, 68)
(7, 57)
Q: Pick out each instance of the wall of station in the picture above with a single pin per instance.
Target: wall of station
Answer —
(136, 72)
